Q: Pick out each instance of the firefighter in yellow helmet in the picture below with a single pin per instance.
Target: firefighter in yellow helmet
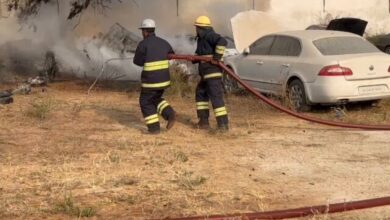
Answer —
(210, 88)
(152, 55)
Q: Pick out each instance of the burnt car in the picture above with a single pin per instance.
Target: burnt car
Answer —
(351, 25)
(382, 42)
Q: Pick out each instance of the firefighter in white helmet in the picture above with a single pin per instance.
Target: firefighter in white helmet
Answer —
(210, 44)
(152, 55)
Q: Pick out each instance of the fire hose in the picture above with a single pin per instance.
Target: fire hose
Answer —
(258, 95)
(301, 212)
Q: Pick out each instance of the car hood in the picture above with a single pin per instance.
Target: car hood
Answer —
(352, 25)
(249, 26)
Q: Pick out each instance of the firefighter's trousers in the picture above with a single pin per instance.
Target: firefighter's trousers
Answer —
(152, 106)
(211, 90)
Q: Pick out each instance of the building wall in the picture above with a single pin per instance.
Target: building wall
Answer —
(294, 14)
(299, 14)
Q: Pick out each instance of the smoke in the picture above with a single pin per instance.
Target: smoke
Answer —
(79, 50)
(23, 46)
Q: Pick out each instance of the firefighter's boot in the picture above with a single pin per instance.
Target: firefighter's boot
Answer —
(171, 120)
(203, 124)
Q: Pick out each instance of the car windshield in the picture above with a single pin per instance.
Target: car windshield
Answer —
(344, 45)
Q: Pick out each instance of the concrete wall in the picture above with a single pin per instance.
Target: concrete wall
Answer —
(295, 14)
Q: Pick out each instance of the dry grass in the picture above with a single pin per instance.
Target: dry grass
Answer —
(183, 85)
(68, 207)
(80, 157)
(40, 108)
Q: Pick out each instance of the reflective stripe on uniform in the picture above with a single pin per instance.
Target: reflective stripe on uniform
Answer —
(212, 75)
(156, 85)
(151, 119)
(158, 65)
(220, 50)
(202, 106)
(220, 112)
(162, 106)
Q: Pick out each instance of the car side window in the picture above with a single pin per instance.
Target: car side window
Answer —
(262, 46)
(286, 46)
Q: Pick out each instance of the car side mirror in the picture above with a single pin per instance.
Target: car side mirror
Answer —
(246, 51)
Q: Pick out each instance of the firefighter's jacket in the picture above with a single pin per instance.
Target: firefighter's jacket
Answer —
(152, 55)
(210, 44)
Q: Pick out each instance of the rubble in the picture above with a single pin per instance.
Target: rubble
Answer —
(121, 40)
(24, 89)
(37, 81)
(6, 97)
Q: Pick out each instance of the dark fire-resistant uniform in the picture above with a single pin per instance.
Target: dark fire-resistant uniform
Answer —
(210, 88)
(152, 54)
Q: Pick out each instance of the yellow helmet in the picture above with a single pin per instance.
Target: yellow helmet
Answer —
(203, 21)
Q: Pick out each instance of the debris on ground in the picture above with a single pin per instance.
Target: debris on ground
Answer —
(121, 40)
(37, 81)
(24, 89)
(6, 97)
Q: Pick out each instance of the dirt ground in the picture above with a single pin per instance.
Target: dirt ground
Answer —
(65, 156)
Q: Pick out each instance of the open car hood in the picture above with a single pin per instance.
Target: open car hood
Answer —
(352, 25)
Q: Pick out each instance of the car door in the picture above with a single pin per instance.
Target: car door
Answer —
(251, 65)
(283, 54)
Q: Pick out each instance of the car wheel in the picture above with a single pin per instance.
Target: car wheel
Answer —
(372, 103)
(387, 50)
(230, 85)
(6, 100)
(297, 96)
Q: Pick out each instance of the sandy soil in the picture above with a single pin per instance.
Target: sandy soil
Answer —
(73, 156)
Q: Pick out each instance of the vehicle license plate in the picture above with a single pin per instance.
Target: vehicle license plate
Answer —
(364, 90)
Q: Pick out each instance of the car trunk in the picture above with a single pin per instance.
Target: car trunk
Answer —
(367, 67)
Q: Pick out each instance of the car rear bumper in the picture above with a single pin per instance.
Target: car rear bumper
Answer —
(329, 90)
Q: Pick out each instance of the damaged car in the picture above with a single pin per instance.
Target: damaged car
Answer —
(314, 67)
(383, 43)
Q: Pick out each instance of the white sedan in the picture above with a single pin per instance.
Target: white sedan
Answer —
(314, 67)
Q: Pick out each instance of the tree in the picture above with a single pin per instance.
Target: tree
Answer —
(27, 8)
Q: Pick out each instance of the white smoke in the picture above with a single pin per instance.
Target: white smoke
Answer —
(79, 53)
(49, 30)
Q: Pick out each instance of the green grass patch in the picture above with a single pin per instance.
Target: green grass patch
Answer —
(68, 207)
(40, 108)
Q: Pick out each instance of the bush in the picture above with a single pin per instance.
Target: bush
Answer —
(69, 208)
(40, 109)
(182, 84)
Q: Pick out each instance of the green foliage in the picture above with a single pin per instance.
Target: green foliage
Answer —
(40, 108)
(68, 207)
(180, 84)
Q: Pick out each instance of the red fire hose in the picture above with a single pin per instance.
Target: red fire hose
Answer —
(301, 212)
(275, 105)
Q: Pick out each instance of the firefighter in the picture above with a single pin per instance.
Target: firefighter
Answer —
(152, 55)
(210, 88)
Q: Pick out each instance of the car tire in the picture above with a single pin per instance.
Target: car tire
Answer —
(230, 85)
(372, 103)
(297, 96)
(6, 100)
(387, 50)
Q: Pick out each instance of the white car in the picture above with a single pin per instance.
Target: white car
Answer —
(314, 67)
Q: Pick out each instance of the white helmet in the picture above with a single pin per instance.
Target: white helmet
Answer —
(148, 23)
